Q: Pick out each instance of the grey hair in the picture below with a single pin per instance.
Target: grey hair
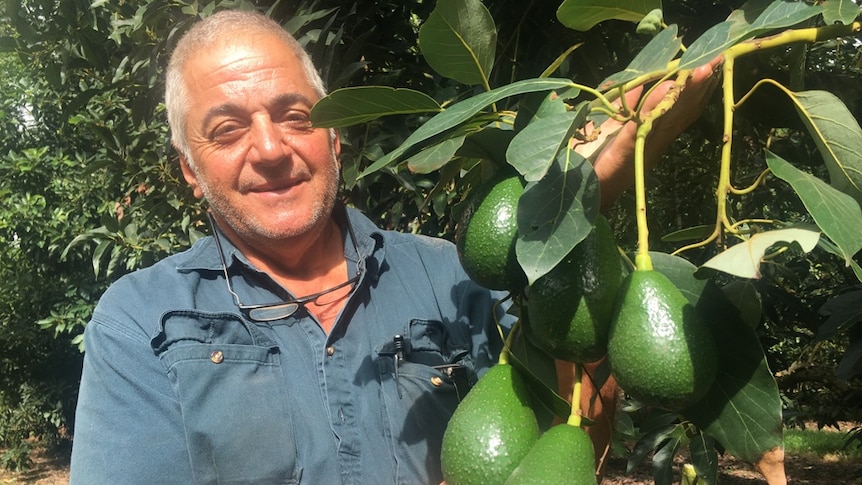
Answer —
(203, 34)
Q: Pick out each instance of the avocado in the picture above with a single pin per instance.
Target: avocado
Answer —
(491, 430)
(659, 349)
(562, 456)
(487, 234)
(570, 308)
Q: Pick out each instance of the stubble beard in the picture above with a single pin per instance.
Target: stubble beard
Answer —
(258, 227)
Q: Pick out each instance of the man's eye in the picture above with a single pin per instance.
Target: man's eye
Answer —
(297, 120)
(225, 132)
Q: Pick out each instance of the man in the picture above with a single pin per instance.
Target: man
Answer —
(207, 368)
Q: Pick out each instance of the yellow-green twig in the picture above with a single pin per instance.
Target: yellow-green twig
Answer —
(575, 414)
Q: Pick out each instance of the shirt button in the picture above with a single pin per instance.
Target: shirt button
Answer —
(436, 381)
(217, 356)
(330, 351)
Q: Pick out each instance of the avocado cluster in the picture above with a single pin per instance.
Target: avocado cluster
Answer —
(493, 439)
(585, 309)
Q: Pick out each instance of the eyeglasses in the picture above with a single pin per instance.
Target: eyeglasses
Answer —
(269, 312)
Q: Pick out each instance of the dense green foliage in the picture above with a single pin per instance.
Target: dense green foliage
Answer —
(92, 191)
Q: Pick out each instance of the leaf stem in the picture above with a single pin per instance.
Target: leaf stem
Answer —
(729, 105)
(575, 414)
(751, 187)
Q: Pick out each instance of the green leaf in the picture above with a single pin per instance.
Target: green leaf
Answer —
(840, 12)
(654, 57)
(695, 233)
(535, 106)
(662, 460)
(349, 106)
(656, 429)
(535, 148)
(836, 213)
(434, 157)
(842, 312)
(776, 15)
(744, 259)
(490, 143)
(461, 112)
(540, 373)
(99, 253)
(742, 409)
(746, 299)
(556, 213)
(838, 137)
(652, 23)
(704, 458)
(681, 272)
(458, 40)
(8, 44)
(583, 15)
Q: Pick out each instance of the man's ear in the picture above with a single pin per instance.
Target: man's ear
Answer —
(336, 147)
(191, 177)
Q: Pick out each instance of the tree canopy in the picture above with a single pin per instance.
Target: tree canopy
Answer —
(93, 191)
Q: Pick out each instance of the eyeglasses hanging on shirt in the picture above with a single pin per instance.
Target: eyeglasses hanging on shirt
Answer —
(269, 312)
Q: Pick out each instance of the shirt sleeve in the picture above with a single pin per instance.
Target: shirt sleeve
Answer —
(128, 424)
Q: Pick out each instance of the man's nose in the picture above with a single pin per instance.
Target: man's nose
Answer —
(268, 142)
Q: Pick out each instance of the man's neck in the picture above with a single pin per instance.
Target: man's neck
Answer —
(304, 265)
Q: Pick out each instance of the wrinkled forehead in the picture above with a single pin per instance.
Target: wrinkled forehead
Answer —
(254, 62)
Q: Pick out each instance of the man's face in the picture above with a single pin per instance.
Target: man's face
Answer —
(253, 154)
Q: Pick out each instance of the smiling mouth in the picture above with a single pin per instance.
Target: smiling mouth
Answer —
(274, 188)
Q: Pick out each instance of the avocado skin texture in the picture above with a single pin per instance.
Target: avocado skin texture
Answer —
(492, 429)
(570, 308)
(487, 235)
(563, 456)
(659, 349)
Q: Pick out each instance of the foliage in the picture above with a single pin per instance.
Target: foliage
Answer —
(39, 365)
(93, 192)
(742, 413)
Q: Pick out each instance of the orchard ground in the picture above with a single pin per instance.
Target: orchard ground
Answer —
(54, 470)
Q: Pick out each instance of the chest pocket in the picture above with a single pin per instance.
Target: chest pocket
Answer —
(422, 380)
(227, 376)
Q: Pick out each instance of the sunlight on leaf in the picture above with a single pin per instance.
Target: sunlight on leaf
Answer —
(461, 112)
(653, 58)
(739, 27)
(535, 148)
(583, 15)
(840, 11)
(434, 157)
(838, 137)
(349, 106)
(830, 208)
(556, 213)
(458, 41)
(744, 259)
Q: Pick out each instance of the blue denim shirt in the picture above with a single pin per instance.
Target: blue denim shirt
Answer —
(178, 387)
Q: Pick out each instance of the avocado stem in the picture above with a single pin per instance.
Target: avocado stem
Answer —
(507, 345)
(575, 415)
(642, 259)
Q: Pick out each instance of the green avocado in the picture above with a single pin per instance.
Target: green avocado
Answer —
(562, 456)
(570, 308)
(487, 234)
(659, 349)
(492, 429)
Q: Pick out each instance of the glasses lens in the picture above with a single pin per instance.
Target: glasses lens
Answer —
(273, 312)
